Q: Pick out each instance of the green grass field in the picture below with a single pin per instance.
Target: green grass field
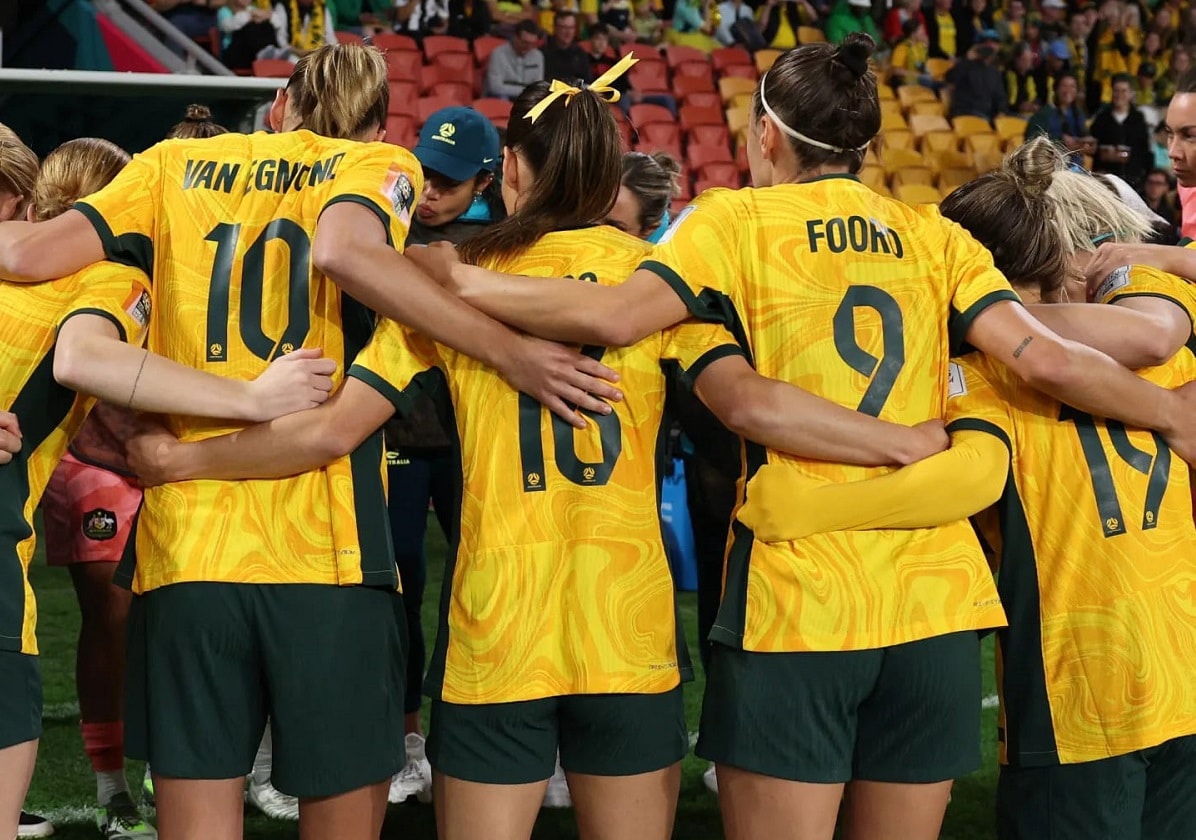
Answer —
(64, 789)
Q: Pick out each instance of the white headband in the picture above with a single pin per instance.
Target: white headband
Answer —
(797, 135)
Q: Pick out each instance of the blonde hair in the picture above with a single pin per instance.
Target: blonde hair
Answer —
(18, 167)
(1034, 213)
(341, 91)
(75, 169)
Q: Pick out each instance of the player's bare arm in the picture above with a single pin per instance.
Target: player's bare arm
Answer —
(10, 436)
(48, 250)
(787, 419)
(1110, 256)
(91, 358)
(350, 247)
(1136, 332)
(284, 447)
(1081, 376)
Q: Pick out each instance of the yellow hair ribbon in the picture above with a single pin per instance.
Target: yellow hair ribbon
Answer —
(601, 86)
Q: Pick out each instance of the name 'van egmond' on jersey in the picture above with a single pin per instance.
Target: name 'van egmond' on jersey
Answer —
(269, 175)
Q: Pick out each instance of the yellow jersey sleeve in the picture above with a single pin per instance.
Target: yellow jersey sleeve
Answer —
(699, 251)
(391, 362)
(387, 184)
(977, 399)
(1130, 281)
(118, 293)
(124, 212)
(978, 283)
(695, 345)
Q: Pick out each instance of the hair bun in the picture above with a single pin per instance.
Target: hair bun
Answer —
(1033, 165)
(855, 52)
(198, 114)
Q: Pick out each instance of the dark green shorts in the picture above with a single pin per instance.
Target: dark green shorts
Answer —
(20, 698)
(596, 734)
(209, 663)
(906, 714)
(1145, 795)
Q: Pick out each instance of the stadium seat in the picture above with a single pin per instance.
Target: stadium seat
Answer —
(938, 67)
(483, 46)
(766, 58)
(400, 130)
(646, 112)
(810, 35)
(703, 184)
(656, 129)
(955, 176)
(677, 206)
(651, 144)
(275, 68)
(909, 94)
(742, 71)
(650, 77)
(458, 93)
(730, 56)
(731, 86)
(435, 74)
(691, 116)
(403, 95)
(895, 159)
(702, 99)
(458, 62)
(941, 159)
(891, 106)
(934, 109)
(708, 135)
(428, 105)
(921, 124)
(738, 120)
(1010, 127)
(898, 138)
(700, 154)
(976, 143)
(644, 52)
(676, 55)
(498, 111)
(965, 126)
(626, 135)
(393, 41)
(435, 44)
(694, 72)
(872, 176)
(403, 65)
(1010, 144)
(719, 170)
(912, 175)
(890, 121)
(349, 38)
(987, 161)
(916, 194)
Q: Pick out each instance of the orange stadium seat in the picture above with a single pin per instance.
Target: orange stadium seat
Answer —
(676, 55)
(730, 57)
(498, 111)
(435, 44)
(458, 62)
(701, 154)
(810, 35)
(278, 68)
(691, 116)
(435, 74)
(766, 58)
(695, 71)
(659, 144)
(917, 194)
(428, 105)
(644, 52)
(660, 132)
(349, 38)
(731, 86)
(741, 71)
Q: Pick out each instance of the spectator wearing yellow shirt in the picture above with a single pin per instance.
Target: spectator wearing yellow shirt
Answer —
(940, 30)
(779, 21)
(910, 54)
(1023, 85)
(1011, 22)
(1115, 53)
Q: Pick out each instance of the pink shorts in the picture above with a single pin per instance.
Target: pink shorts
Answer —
(87, 513)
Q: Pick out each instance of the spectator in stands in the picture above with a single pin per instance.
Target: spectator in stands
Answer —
(1054, 19)
(1122, 136)
(1079, 31)
(1153, 52)
(615, 15)
(737, 25)
(850, 16)
(362, 17)
(779, 21)
(902, 11)
(1113, 48)
(602, 57)
(563, 58)
(1025, 92)
(940, 30)
(1056, 63)
(422, 17)
(1065, 121)
(469, 19)
(649, 29)
(973, 24)
(1164, 87)
(303, 25)
(1011, 23)
(1162, 25)
(1158, 196)
(650, 183)
(506, 15)
(194, 18)
(516, 64)
(909, 56)
(246, 31)
(693, 25)
(1144, 95)
(978, 88)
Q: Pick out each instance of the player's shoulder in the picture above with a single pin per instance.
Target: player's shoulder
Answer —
(378, 154)
(610, 246)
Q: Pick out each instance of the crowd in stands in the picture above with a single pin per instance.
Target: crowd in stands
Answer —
(1095, 79)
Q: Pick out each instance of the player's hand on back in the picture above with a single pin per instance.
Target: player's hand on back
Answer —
(10, 436)
(1113, 255)
(149, 449)
(925, 439)
(294, 382)
(438, 261)
(561, 379)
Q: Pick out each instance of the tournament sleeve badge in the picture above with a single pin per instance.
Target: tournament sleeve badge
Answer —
(399, 190)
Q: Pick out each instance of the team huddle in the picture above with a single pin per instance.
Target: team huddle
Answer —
(918, 407)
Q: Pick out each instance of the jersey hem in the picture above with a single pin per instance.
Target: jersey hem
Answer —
(958, 328)
(971, 424)
(461, 700)
(369, 204)
(906, 635)
(90, 310)
(401, 401)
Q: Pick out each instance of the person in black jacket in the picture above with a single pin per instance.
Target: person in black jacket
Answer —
(563, 58)
(979, 89)
(1122, 137)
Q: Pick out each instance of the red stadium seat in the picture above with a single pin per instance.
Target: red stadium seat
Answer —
(277, 68)
(677, 206)
(650, 146)
(483, 46)
(744, 71)
(650, 77)
(701, 154)
(731, 57)
(704, 184)
(458, 93)
(724, 172)
(400, 130)
(393, 41)
(403, 65)
(403, 95)
(626, 135)
(460, 63)
(702, 99)
(741, 158)
(435, 44)
(708, 135)
(678, 54)
(691, 116)
(498, 111)
(646, 113)
(644, 52)
(429, 104)
(668, 133)
(435, 74)
(695, 71)
(352, 38)
(685, 184)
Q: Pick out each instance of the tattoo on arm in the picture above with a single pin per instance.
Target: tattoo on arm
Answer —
(1021, 348)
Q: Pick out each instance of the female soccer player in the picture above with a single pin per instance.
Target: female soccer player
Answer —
(856, 298)
(649, 186)
(240, 235)
(18, 172)
(54, 340)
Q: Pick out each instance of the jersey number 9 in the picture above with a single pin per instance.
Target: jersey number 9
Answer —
(531, 443)
(253, 274)
(884, 370)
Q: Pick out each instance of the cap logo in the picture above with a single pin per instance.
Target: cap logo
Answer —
(447, 130)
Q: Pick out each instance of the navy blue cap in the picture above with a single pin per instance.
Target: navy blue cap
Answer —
(458, 143)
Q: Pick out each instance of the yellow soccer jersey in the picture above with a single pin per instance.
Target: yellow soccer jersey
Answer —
(559, 584)
(48, 413)
(1097, 563)
(1142, 281)
(856, 298)
(224, 227)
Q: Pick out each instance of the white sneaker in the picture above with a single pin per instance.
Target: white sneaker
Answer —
(557, 795)
(271, 802)
(710, 779)
(416, 778)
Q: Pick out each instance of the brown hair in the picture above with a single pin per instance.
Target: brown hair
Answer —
(18, 167)
(575, 152)
(340, 90)
(829, 94)
(196, 125)
(75, 169)
(654, 181)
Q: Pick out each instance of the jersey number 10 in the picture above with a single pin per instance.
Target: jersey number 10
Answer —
(585, 473)
(253, 274)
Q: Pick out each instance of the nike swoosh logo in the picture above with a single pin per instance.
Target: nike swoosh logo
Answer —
(487, 160)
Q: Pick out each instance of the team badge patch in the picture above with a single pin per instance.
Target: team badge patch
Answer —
(99, 524)
(138, 307)
(956, 385)
(1120, 278)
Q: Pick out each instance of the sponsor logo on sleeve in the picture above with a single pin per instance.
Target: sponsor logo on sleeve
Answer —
(139, 307)
(1119, 279)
